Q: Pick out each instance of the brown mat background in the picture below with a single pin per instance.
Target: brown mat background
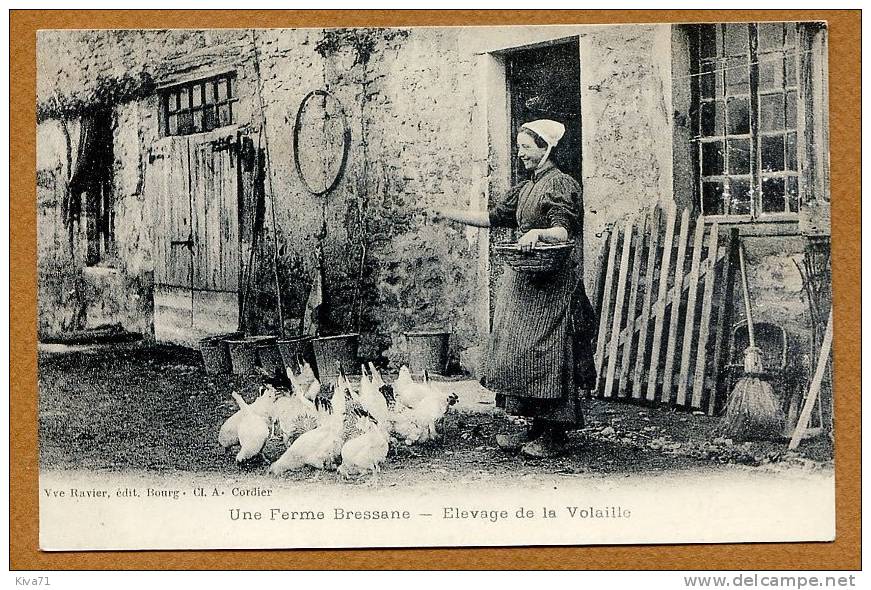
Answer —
(845, 125)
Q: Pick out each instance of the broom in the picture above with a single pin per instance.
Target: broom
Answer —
(752, 411)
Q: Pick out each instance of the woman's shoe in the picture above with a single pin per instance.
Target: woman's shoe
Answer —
(514, 440)
(550, 444)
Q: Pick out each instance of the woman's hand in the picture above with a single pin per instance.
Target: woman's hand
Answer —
(473, 218)
(528, 241)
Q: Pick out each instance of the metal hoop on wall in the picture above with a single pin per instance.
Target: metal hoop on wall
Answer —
(346, 140)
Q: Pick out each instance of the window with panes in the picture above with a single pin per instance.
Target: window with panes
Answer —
(747, 89)
(196, 107)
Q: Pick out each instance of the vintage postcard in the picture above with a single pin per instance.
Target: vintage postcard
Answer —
(434, 286)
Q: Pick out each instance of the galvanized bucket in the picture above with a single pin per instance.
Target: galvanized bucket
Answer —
(294, 347)
(330, 349)
(243, 353)
(428, 350)
(216, 353)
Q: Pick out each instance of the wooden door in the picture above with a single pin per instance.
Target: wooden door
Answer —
(192, 184)
(169, 181)
(215, 254)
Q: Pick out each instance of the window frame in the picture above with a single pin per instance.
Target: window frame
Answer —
(209, 90)
(721, 93)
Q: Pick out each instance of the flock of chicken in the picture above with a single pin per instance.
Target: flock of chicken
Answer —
(332, 425)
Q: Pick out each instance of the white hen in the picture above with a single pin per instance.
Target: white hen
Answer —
(419, 424)
(321, 447)
(296, 415)
(313, 390)
(371, 397)
(264, 405)
(253, 431)
(306, 373)
(365, 453)
(305, 383)
(376, 376)
(407, 391)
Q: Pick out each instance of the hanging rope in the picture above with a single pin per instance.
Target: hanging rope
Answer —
(255, 223)
(268, 180)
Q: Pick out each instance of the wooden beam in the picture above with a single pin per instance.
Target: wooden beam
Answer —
(605, 311)
(814, 391)
(690, 314)
(638, 239)
(675, 297)
(649, 272)
(660, 306)
(724, 323)
(618, 308)
(705, 319)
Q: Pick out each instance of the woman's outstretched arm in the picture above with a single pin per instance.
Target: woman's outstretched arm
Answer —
(464, 216)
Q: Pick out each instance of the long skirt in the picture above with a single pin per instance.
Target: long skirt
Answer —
(530, 359)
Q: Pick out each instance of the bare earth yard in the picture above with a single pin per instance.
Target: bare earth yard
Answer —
(139, 407)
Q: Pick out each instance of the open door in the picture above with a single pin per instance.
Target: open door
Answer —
(193, 187)
(543, 82)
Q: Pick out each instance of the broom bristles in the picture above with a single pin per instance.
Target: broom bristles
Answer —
(752, 412)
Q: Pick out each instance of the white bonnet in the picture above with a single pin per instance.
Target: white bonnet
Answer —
(549, 131)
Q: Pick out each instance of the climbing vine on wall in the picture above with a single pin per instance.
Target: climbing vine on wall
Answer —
(362, 41)
(95, 102)
(106, 92)
(354, 283)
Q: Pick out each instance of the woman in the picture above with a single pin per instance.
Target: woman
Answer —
(540, 350)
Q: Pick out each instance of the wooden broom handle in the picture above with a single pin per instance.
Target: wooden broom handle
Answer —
(814, 390)
(751, 336)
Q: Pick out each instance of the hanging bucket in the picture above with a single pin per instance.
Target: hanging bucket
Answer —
(329, 349)
(270, 358)
(216, 353)
(243, 353)
(428, 350)
(294, 346)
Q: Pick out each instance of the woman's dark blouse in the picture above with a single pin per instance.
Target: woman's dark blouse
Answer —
(550, 199)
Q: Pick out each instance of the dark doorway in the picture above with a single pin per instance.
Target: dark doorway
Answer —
(93, 184)
(545, 83)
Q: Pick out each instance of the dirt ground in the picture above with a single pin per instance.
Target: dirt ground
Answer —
(138, 407)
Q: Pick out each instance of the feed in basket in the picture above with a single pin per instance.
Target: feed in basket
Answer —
(542, 258)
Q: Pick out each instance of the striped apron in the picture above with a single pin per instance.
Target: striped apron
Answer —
(530, 360)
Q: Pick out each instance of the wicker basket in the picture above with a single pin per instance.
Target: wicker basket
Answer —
(542, 258)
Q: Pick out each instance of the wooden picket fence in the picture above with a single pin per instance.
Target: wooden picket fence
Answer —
(665, 308)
